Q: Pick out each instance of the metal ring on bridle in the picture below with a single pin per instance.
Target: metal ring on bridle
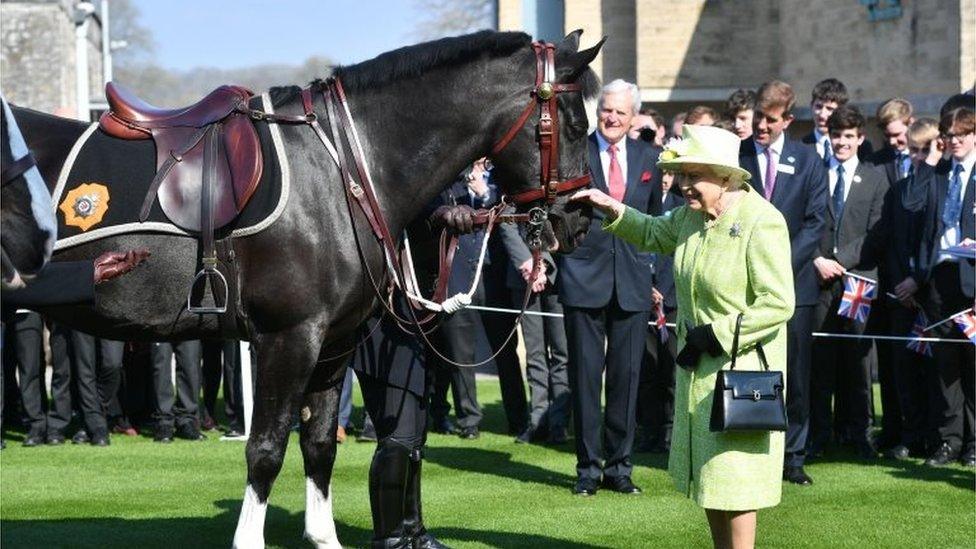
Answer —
(537, 216)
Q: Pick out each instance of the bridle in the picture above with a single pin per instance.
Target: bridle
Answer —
(345, 138)
(16, 168)
(544, 94)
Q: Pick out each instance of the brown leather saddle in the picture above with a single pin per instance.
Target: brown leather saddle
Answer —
(208, 165)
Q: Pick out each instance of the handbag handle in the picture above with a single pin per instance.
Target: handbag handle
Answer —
(735, 346)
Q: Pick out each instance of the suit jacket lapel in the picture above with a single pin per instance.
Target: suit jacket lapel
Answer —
(596, 166)
(787, 158)
(747, 160)
(859, 192)
(942, 180)
(634, 158)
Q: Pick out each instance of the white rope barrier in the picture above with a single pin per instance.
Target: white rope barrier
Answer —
(815, 334)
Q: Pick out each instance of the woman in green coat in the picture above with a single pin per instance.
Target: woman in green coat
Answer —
(731, 255)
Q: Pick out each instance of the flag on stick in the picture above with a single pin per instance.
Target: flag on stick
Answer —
(859, 292)
(918, 331)
(967, 323)
(660, 322)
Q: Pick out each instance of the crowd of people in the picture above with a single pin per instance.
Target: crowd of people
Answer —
(880, 243)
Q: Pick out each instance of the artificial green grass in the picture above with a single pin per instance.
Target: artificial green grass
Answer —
(488, 492)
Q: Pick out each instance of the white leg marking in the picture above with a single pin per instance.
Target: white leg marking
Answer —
(319, 527)
(250, 525)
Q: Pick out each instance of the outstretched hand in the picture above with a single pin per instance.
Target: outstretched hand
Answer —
(611, 207)
(110, 265)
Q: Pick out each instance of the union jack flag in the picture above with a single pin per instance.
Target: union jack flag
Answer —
(967, 323)
(856, 301)
(918, 331)
(660, 322)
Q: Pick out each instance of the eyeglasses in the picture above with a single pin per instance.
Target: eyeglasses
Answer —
(960, 136)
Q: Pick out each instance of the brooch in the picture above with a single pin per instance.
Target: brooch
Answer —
(736, 230)
(857, 179)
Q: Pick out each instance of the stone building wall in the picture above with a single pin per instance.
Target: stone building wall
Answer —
(701, 50)
(37, 56)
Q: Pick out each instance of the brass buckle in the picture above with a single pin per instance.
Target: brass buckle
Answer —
(545, 91)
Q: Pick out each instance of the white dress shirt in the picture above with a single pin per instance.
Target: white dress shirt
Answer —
(952, 235)
(605, 157)
(819, 139)
(850, 166)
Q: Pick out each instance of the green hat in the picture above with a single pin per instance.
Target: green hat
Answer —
(704, 145)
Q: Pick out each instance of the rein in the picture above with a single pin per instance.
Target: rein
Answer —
(343, 129)
(16, 169)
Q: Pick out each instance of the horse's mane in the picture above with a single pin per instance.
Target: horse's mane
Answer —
(413, 61)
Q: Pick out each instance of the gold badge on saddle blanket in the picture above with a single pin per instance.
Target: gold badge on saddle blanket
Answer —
(85, 206)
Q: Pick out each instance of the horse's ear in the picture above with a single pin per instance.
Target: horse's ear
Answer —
(571, 42)
(577, 62)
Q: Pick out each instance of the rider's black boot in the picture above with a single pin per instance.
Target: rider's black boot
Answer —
(388, 476)
(414, 514)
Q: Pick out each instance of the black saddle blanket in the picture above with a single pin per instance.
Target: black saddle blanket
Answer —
(109, 180)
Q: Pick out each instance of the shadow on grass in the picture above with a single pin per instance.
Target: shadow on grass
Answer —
(493, 462)
(282, 529)
(914, 469)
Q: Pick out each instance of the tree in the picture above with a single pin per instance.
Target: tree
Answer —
(453, 17)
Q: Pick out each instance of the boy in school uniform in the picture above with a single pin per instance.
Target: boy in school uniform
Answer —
(902, 228)
(841, 366)
(827, 96)
(894, 116)
(945, 188)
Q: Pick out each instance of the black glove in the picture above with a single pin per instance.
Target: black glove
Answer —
(459, 218)
(698, 340)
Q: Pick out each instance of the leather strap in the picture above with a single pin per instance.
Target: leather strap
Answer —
(544, 94)
(17, 168)
(206, 199)
(735, 346)
(163, 171)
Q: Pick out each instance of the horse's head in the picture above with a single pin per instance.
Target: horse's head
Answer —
(539, 169)
(27, 226)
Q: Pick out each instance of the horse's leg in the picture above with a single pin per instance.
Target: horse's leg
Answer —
(285, 362)
(320, 413)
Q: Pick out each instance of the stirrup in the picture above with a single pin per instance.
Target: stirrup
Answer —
(205, 273)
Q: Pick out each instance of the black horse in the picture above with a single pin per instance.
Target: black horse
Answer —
(27, 223)
(424, 113)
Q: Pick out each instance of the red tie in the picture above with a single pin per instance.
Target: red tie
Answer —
(616, 184)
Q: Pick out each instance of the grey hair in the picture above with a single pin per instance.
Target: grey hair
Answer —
(621, 85)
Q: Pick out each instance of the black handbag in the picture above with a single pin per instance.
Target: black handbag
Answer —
(748, 400)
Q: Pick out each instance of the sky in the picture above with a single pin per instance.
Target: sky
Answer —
(239, 33)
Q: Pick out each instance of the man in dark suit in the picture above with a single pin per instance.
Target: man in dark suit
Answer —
(842, 368)
(945, 191)
(605, 288)
(655, 394)
(792, 177)
(889, 316)
(827, 96)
